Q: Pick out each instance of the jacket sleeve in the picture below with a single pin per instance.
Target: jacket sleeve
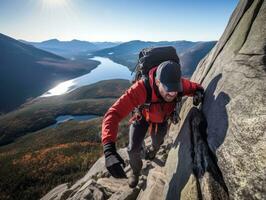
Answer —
(189, 87)
(133, 97)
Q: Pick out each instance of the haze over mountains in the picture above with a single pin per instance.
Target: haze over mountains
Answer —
(70, 48)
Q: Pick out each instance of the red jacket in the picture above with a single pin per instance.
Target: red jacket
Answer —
(135, 96)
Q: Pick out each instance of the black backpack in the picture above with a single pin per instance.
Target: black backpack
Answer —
(149, 58)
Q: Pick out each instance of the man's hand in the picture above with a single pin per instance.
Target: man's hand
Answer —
(113, 161)
(198, 97)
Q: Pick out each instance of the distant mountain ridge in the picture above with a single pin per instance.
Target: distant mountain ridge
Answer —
(70, 48)
(135, 46)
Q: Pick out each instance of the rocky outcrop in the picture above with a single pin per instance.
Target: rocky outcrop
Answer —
(97, 183)
(217, 151)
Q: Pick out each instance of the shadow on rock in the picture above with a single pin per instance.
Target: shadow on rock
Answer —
(214, 109)
(196, 169)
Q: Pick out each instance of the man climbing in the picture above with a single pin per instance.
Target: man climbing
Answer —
(155, 99)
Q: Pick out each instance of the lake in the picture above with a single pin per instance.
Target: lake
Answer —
(105, 71)
(64, 118)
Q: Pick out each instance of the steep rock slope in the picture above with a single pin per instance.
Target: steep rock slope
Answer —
(234, 77)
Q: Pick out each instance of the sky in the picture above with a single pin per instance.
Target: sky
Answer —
(115, 20)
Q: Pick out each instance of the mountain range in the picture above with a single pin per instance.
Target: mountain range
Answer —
(70, 48)
(126, 53)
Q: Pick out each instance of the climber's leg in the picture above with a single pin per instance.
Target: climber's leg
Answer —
(137, 134)
(157, 139)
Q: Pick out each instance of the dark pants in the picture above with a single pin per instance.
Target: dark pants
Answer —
(137, 134)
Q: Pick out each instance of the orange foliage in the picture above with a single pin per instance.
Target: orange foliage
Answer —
(50, 162)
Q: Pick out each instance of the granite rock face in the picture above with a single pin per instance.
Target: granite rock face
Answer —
(234, 76)
(235, 105)
(216, 151)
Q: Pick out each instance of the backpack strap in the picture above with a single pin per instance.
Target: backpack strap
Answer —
(148, 89)
(179, 96)
(136, 113)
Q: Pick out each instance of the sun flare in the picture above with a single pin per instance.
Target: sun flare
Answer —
(54, 3)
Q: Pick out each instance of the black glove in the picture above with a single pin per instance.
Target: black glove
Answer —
(113, 161)
(198, 97)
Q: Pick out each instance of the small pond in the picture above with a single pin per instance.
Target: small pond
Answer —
(64, 118)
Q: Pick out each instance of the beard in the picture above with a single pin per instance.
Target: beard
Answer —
(169, 98)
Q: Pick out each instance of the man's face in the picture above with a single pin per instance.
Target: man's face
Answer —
(167, 96)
